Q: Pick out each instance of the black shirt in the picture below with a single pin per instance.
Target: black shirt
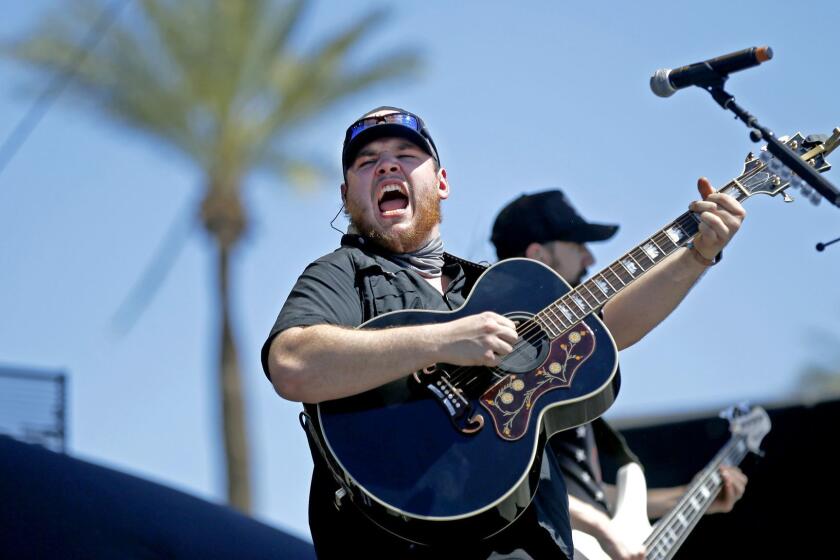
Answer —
(580, 453)
(346, 288)
(577, 454)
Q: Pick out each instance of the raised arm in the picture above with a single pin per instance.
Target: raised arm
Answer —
(644, 304)
(325, 362)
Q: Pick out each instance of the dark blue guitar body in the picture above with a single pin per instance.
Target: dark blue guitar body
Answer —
(428, 475)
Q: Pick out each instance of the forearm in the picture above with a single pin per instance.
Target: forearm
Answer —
(663, 500)
(637, 309)
(325, 362)
(588, 519)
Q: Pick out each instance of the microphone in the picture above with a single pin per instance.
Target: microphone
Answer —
(665, 82)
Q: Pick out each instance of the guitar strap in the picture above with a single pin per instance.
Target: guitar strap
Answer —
(308, 427)
(472, 271)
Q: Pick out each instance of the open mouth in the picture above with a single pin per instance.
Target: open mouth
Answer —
(393, 199)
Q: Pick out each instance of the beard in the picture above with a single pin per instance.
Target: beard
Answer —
(426, 216)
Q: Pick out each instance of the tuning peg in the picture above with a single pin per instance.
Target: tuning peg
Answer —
(786, 197)
(785, 174)
(749, 157)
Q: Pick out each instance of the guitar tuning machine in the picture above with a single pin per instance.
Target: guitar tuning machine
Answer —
(786, 197)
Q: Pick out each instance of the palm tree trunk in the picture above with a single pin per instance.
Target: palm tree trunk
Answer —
(224, 218)
(233, 409)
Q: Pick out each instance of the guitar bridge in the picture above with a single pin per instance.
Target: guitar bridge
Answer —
(451, 398)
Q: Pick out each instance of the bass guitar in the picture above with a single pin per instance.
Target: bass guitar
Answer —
(454, 452)
(664, 539)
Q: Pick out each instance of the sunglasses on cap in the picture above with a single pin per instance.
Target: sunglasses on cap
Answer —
(404, 119)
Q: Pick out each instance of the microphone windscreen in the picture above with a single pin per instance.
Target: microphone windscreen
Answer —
(660, 85)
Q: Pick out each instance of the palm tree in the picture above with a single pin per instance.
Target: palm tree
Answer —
(218, 81)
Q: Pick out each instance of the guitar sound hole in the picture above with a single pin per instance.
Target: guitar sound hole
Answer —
(531, 349)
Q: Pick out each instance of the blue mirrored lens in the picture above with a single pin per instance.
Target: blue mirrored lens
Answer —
(394, 118)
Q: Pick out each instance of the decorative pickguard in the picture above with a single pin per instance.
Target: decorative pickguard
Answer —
(511, 400)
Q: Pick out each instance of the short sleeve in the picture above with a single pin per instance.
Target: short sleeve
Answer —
(325, 293)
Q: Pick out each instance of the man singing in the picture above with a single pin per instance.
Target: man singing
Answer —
(393, 259)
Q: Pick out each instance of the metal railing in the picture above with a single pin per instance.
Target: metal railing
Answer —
(33, 406)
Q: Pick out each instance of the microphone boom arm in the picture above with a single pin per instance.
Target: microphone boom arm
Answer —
(774, 146)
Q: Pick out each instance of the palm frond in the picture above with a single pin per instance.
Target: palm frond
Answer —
(218, 80)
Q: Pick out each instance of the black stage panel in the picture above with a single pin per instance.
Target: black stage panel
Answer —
(55, 506)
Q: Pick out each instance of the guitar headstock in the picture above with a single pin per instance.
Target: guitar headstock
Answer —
(767, 175)
(751, 422)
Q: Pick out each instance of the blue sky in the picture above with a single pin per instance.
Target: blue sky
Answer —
(520, 97)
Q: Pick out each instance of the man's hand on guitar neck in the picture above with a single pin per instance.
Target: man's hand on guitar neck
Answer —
(662, 500)
(720, 218)
(734, 484)
(637, 309)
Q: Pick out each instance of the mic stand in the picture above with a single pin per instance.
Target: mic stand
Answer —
(822, 246)
(714, 85)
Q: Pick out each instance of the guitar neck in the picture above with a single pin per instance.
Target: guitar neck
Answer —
(674, 528)
(591, 295)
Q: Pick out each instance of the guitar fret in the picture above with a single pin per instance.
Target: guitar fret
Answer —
(580, 302)
(689, 222)
(675, 234)
(597, 301)
(628, 266)
(651, 251)
(664, 242)
(565, 324)
(620, 279)
(669, 533)
(576, 305)
(541, 324)
(563, 318)
(565, 321)
(594, 293)
(556, 332)
(566, 313)
(655, 244)
(694, 217)
(641, 256)
(602, 285)
(608, 283)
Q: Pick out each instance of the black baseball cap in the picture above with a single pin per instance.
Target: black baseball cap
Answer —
(395, 123)
(539, 218)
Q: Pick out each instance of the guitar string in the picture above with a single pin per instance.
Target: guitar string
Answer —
(731, 453)
(533, 328)
(532, 331)
(635, 254)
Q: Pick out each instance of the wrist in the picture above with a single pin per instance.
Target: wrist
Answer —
(701, 258)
